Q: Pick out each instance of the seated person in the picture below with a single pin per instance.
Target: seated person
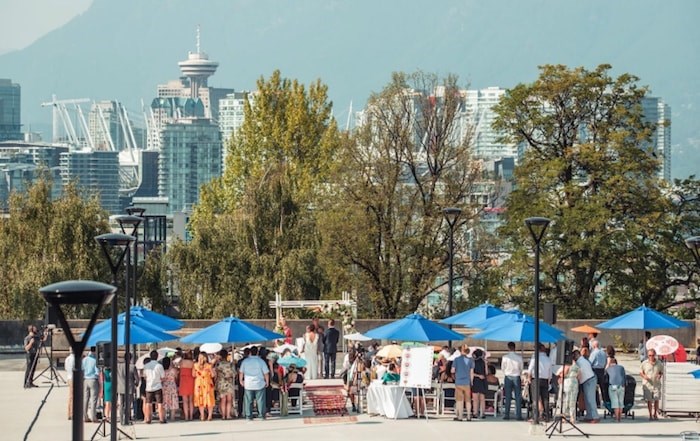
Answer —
(293, 377)
(492, 384)
(391, 375)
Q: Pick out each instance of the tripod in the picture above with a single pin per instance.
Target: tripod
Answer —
(105, 424)
(49, 371)
(103, 430)
(560, 418)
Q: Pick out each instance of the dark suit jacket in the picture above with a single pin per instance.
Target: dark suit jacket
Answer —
(330, 341)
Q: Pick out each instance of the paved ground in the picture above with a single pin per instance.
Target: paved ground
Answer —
(40, 414)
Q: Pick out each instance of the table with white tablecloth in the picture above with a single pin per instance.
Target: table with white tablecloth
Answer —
(388, 400)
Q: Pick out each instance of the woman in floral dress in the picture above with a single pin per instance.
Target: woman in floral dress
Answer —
(170, 398)
(204, 375)
(225, 374)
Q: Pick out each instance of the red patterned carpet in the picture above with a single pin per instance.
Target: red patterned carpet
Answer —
(327, 399)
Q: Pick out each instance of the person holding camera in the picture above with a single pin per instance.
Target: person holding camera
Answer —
(32, 342)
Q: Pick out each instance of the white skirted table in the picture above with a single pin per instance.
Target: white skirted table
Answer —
(388, 400)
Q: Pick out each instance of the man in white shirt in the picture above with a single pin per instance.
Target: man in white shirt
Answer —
(512, 367)
(254, 374)
(154, 373)
(543, 385)
(69, 365)
(589, 383)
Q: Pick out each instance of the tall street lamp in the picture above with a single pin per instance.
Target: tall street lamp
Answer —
(537, 227)
(694, 244)
(451, 214)
(136, 219)
(132, 222)
(115, 248)
(77, 292)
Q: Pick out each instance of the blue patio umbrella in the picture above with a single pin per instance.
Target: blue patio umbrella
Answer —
(141, 333)
(499, 320)
(469, 317)
(159, 320)
(522, 329)
(644, 318)
(231, 330)
(414, 327)
(288, 360)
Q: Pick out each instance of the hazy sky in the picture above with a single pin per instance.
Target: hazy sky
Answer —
(23, 21)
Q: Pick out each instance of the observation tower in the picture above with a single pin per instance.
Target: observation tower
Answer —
(197, 68)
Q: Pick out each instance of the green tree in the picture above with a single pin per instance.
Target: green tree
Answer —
(44, 241)
(587, 167)
(382, 224)
(254, 230)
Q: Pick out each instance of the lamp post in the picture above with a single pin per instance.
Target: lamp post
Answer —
(133, 222)
(77, 292)
(121, 243)
(537, 227)
(451, 214)
(135, 213)
(694, 244)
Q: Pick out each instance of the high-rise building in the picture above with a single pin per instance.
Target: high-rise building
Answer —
(96, 173)
(659, 113)
(104, 125)
(23, 163)
(479, 115)
(190, 156)
(10, 100)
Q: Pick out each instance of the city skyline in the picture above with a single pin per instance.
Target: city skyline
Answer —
(499, 65)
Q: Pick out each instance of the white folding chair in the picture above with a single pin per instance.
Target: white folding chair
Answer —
(297, 408)
(432, 399)
(444, 399)
(493, 399)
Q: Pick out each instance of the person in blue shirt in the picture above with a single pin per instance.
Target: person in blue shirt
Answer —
(91, 386)
(463, 370)
(599, 360)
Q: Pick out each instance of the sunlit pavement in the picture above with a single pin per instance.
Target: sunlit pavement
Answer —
(40, 414)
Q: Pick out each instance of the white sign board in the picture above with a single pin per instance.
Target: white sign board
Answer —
(417, 367)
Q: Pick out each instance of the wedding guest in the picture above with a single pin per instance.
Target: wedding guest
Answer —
(479, 386)
(170, 391)
(203, 398)
(225, 377)
(186, 385)
(616, 387)
(651, 373)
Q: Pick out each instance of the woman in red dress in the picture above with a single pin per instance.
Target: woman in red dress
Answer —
(186, 389)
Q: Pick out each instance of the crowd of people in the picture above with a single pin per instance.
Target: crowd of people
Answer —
(250, 382)
(189, 384)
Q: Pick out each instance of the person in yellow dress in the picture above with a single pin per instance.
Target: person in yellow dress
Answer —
(204, 374)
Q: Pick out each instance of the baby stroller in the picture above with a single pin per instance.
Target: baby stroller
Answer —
(627, 412)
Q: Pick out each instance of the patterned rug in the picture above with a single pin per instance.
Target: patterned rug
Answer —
(331, 419)
(327, 399)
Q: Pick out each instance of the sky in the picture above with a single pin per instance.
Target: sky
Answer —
(24, 21)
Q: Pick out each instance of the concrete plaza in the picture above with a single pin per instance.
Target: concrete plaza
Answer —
(40, 414)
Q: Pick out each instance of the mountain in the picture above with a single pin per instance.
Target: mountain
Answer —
(122, 50)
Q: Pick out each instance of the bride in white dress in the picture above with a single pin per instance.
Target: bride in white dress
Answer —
(311, 352)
